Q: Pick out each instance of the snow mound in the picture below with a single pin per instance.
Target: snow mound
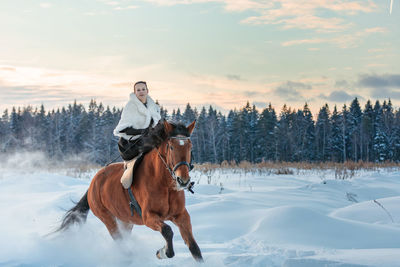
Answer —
(297, 225)
(381, 211)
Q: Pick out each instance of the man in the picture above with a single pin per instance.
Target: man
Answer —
(140, 113)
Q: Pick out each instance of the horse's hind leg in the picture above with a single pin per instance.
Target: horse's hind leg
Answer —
(109, 221)
(126, 227)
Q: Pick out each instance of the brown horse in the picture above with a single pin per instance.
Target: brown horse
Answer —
(158, 186)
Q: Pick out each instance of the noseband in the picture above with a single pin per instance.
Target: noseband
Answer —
(172, 171)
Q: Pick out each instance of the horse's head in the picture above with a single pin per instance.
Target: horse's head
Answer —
(178, 152)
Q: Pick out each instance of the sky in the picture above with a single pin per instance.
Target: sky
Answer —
(203, 52)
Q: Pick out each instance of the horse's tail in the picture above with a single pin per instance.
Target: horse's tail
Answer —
(77, 214)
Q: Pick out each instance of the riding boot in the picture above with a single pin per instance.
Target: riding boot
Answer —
(127, 176)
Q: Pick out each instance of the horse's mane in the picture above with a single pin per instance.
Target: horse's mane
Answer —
(157, 135)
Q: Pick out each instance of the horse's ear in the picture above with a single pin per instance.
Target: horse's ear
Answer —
(168, 127)
(190, 128)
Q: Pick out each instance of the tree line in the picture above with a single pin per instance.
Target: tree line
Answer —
(371, 133)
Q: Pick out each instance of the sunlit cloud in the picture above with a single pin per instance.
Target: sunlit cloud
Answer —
(125, 8)
(45, 5)
(30, 85)
(304, 14)
(375, 65)
(290, 14)
(376, 30)
(305, 41)
(342, 41)
(376, 50)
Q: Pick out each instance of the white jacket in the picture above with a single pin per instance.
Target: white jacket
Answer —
(136, 115)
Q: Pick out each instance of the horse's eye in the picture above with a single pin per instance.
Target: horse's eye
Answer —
(171, 148)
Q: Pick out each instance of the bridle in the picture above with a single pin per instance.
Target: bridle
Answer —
(177, 165)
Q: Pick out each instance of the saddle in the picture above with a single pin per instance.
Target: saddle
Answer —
(129, 171)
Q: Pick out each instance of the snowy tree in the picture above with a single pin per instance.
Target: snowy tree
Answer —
(354, 128)
(381, 144)
(336, 136)
(367, 131)
(266, 139)
(323, 129)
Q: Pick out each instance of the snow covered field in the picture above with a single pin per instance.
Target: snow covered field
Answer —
(239, 219)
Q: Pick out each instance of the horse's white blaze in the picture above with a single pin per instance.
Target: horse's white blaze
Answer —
(181, 142)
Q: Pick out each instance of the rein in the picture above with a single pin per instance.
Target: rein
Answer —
(172, 171)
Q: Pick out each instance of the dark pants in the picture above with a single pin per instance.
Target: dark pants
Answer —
(129, 149)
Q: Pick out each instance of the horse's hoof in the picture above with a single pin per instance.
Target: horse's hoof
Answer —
(164, 254)
(199, 259)
(161, 254)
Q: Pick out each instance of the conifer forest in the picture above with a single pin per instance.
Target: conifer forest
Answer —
(350, 133)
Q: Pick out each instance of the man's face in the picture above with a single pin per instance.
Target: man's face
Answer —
(141, 92)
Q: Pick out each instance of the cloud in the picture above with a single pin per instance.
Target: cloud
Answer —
(376, 30)
(290, 91)
(122, 85)
(290, 14)
(304, 14)
(45, 5)
(343, 41)
(7, 69)
(260, 105)
(379, 81)
(23, 96)
(338, 96)
(342, 84)
(125, 8)
(304, 41)
(28, 85)
(385, 93)
(374, 65)
(299, 85)
(252, 93)
(376, 50)
(233, 77)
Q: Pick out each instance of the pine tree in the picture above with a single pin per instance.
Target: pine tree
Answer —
(346, 144)
(336, 136)
(308, 143)
(15, 129)
(5, 131)
(265, 135)
(388, 119)
(396, 137)
(188, 115)
(41, 130)
(283, 146)
(202, 153)
(368, 131)
(323, 129)
(212, 130)
(381, 144)
(223, 138)
(354, 128)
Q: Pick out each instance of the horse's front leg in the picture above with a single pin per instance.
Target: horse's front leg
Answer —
(185, 227)
(154, 222)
